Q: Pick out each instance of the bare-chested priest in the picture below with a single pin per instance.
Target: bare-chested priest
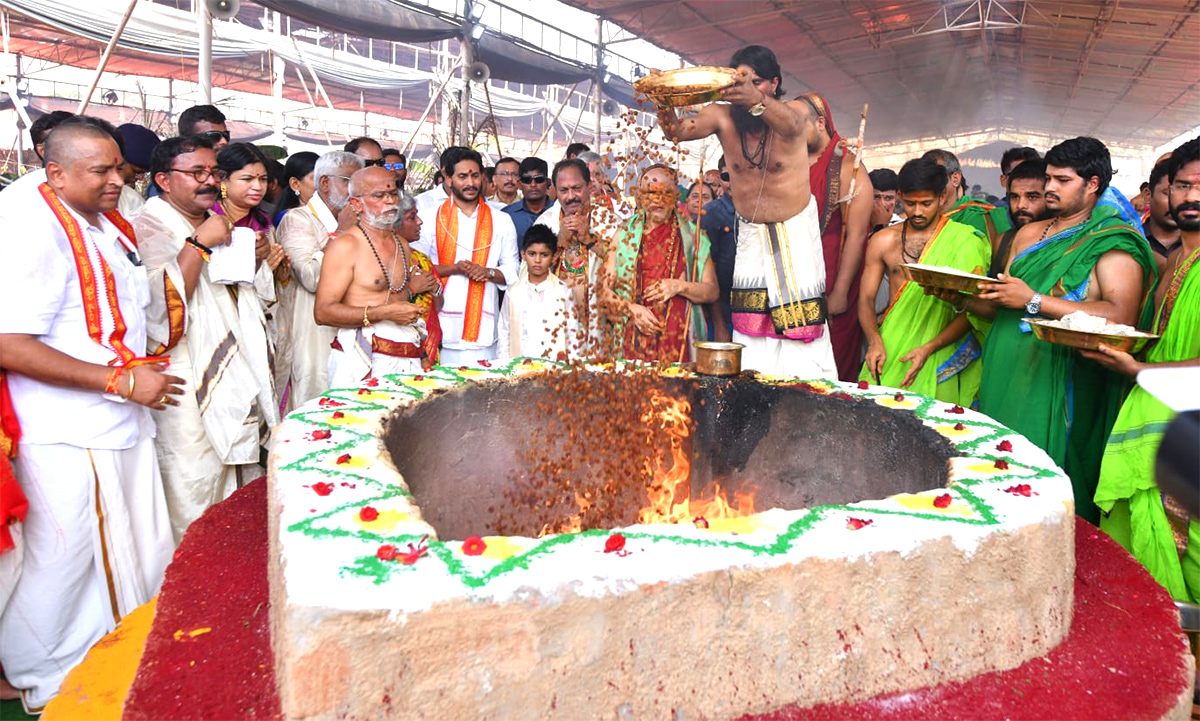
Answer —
(779, 308)
(376, 290)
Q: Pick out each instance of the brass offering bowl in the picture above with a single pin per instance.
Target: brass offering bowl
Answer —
(718, 359)
(686, 86)
(937, 278)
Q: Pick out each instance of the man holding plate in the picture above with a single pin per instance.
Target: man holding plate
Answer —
(779, 307)
(1086, 258)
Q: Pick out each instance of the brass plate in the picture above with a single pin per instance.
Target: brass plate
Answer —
(940, 278)
(1086, 340)
(686, 86)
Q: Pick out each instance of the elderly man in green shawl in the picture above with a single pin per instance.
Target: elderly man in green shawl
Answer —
(924, 343)
(1088, 257)
(657, 276)
(1155, 529)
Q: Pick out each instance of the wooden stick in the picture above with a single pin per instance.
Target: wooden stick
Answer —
(112, 44)
(555, 120)
(858, 145)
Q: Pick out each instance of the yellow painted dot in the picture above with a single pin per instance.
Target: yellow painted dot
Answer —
(924, 503)
(501, 547)
(893, 403)
(949, 431)
(743, 525)
(347, 419)
(384, 523)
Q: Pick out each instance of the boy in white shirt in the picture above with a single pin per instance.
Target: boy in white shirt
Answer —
(538, 318)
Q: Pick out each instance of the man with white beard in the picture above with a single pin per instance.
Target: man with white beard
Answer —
(371, 289)
(304, 232)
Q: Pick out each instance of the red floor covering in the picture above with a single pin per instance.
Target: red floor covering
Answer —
(1121, 659)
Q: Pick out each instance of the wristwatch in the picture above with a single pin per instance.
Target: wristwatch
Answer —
(759, 108)
(1034, 306)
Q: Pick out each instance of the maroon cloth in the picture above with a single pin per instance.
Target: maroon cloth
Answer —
(844, 330)
(660, 257)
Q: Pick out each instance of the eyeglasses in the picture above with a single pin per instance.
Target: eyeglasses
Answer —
(533, 179)
(343, 177)
(214, 136)
(201, 174)
(725, 175)
(506, 174)
(373, 163)
(394, 166)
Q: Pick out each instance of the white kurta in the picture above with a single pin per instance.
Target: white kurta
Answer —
(228, 403)
(502, 254)
(96, 537)
(304, 232)
(604, 224)
(538, 321)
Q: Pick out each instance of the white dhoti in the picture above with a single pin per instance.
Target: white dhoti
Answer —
(380, 349)
(778, 297)
(97, 541)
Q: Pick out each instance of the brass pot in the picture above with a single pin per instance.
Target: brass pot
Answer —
(718, 359)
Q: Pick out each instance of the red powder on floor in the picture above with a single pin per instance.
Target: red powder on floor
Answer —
(219, 581)
(1121, 659)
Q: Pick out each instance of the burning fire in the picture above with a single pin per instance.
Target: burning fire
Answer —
(672, 417)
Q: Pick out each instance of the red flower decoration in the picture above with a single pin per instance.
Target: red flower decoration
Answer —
(942, 501)
(320, 435)
(322, 488)
(843, 396)
(414, 552)
(1020, 490)
(527, 362)
(1002, 464)
(1005, 446)
(856, 523)
(864, 385)
(329, 403)
(956, 409)
(473, 546)
(343, 459)
(898, 397)
(484, 363)
(959, 427)
(418, 378)
(615, 543)
(363, 391)
(386, 552)
(368, 513)
(372, 381)
(338, 414)
(700, 522)
(462, 368)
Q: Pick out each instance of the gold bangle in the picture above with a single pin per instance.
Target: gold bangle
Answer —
(366, 320)
(132, 380)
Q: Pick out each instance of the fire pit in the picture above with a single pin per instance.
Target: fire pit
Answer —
(395, 594)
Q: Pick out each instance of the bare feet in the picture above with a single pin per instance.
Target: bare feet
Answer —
(8, 692)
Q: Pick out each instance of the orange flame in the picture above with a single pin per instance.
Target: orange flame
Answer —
(672, 416)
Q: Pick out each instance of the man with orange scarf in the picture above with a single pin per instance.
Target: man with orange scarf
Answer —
(844, 227)
(658, 275)
(73, 340)
(474, 250)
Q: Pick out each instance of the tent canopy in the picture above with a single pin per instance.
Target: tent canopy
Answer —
(1125, 72)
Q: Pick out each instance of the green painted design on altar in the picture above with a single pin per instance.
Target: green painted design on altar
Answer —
(449, 555)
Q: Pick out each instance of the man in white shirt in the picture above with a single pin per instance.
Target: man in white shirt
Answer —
(474, 251)
(304, 232)
(97, 538)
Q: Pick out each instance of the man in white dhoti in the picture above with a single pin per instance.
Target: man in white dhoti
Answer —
(304, 233)
(96, 536)
(376, 290)
(779, 274)
(215, 334)
(474, 251)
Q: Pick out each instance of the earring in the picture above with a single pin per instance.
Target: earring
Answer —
(224, 191)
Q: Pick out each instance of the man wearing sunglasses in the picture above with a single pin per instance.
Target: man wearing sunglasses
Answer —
(209, 438)
(778, 299)
(395, 162)
(368, 149)
(534, 179)
(207, 122)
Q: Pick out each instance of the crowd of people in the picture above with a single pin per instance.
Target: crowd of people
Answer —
(171, 300)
